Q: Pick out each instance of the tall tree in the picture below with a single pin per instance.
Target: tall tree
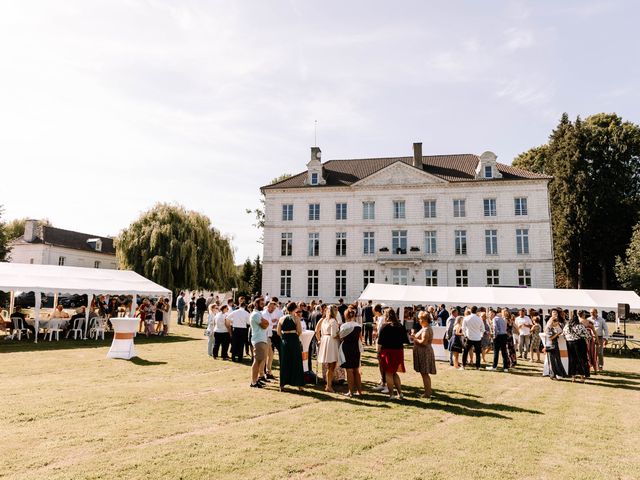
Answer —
(594, 194)
(256, 277)
(534, 160)
(628, 269)
(177, 248)
(5, 249)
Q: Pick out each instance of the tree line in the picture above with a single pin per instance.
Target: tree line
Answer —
(594, 197)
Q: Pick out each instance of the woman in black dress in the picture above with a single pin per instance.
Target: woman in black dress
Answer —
(289, 330)
(351, 335)
(553, 331)
(576, 336)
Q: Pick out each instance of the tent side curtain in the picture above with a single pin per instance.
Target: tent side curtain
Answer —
(51, 279)
(500, 297)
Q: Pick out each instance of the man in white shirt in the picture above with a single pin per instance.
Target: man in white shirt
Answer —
(473, 328)
(239, 320)
(270, 314)
(524, 324)
(277, 315)
(602, 331)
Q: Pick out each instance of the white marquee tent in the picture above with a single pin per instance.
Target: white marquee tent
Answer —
(406, 295)
(52, 279)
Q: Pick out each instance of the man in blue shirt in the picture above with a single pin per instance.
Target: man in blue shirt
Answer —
(180, 304)
(500, 339)
(259, 340)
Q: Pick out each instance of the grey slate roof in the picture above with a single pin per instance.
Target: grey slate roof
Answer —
(69, 239)
(452, 168)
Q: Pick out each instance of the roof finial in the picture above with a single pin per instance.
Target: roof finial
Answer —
(315, 133)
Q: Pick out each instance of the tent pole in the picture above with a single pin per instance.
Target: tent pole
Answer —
(12, 300)
(134, 304)
(55, 300)
(38, 298)
(86, 314)
(169, 312)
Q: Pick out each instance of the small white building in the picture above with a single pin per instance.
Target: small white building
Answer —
(446, 220)
(45, 245)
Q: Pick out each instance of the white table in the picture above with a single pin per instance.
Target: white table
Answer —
(124, 329)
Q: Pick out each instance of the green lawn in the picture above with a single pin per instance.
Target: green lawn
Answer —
(69, 412)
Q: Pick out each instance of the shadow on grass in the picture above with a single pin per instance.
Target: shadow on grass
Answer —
(441, 400)
(69, 344)
(625, 375)
(143, 362)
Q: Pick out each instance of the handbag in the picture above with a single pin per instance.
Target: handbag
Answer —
(445, 342)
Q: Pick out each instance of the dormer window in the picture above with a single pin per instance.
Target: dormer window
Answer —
(314, 168)
(95, 243)
(487, 166)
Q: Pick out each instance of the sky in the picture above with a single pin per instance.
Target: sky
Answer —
(107, 107)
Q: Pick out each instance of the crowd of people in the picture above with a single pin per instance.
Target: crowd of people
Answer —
(263, 327)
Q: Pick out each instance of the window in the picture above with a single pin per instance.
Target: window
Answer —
(368, 210)
(488, 171)
(369, 277)
(61, 261)
(341, 211)
(462, 278)
(96, 264)
(491, 242)
(286, 244)
(287, 213)
(369, 243)
(314, 244)
(489, 207)
(493, 277)
(522, 241)
(399, 242)
(524, 277)
(459, 208)
(341, 244)
(314, 179)
(285, 283)
(461, 242)
(430, 243)
(431, 278)
(341, 283)
(520, 206)
(429, 209)
(312, 283)
(314, 211)
(399, 209)
(399, 276)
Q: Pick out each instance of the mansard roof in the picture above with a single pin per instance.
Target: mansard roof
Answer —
(451, 168)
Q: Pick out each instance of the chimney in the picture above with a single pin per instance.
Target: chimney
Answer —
(417, 155)
(30, 230)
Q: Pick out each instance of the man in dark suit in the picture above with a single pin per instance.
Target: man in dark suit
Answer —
(367, 320)
(201, 308)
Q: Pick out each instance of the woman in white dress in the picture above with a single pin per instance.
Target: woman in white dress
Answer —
(328, 334)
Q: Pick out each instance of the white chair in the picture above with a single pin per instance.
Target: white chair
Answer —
(98, 328)
(18, 328)
(77, 329)
(53, 327)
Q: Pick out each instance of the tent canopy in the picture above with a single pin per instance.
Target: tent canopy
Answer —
(75, 280)
(503, 297)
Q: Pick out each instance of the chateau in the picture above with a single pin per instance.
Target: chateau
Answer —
(440, 220)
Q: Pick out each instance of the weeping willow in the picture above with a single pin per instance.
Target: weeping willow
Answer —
(178, 249)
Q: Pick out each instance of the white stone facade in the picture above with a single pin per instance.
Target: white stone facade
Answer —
(41, 254)
(400, 182)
